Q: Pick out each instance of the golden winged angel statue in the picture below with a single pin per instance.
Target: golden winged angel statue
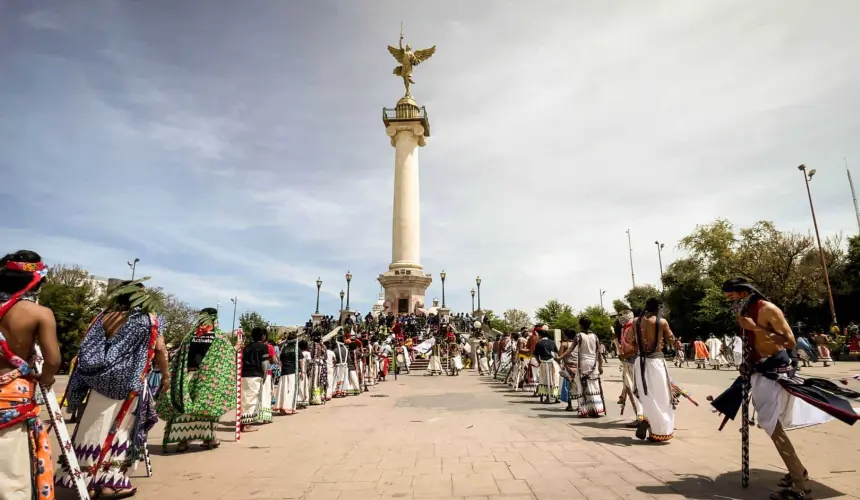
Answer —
(407, 59)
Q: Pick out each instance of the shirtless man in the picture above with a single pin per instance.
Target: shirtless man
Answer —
(772, 336)
(22, 323)
(650, 333)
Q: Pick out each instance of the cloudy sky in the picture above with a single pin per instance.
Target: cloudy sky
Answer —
(237, 148)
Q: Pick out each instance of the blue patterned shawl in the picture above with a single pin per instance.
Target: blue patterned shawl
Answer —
(112, 366)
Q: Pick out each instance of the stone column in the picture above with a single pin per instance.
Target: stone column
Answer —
(406, 137)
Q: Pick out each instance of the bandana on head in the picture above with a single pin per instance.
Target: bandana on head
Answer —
(39, 271)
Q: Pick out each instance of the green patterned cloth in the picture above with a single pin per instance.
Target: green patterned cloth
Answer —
(199, 398)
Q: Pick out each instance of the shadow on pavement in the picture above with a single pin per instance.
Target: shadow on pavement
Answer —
(728, 485)
(624, 441)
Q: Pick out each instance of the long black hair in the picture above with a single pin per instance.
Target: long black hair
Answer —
(14, 280)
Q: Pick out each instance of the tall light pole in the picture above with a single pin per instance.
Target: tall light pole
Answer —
(133, 265)
(478, 282)
(806, 179)
(341, 299)
(473, 301)
(853, 194)
(442, 275)
(630, 247)
(235, 301)
(348, 279)
(602, 293)
(319, 285)
(660, 259)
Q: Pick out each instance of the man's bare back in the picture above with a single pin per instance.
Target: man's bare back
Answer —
(650, 336)
(22, 325)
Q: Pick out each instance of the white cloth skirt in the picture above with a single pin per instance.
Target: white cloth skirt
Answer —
(15, 463)
(629, 380)
(341, 380)
(353, 387)
(266, 400)
(657, 404)
(458, 362)
(548, 379)
(329, 390)
(434, 367)
(286, 396)
(484, 366)
(304, 390)
(774, 404)
(89, 437)
(251, 403)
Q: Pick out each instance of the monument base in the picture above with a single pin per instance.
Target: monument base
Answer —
(404, 290)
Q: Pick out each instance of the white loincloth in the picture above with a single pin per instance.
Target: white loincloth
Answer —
(774, 404)
(657, 404)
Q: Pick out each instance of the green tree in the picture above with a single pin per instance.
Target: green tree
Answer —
(637, 296)
(600, 322)
(72, 296)
(619, 305)
(517, 319)
(550, 313)
(179, 319)
(251, 319)
(566, 320)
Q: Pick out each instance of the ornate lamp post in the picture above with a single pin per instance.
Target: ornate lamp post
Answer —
(319, 285)
(602, 293)
(473, 300)
(442, 275)
(478, 282)
(235, 301)
(806, 179)
(341, 299)
(660, 259)
(133, 266)
(348, 279)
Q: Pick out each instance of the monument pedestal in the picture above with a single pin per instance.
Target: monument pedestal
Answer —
(404, 289)
(316, 319)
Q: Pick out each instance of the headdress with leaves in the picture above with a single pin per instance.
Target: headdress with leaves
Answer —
(136, 296)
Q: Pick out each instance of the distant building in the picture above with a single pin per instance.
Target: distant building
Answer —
(100, 284)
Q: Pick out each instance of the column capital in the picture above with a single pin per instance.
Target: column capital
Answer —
(415, 128)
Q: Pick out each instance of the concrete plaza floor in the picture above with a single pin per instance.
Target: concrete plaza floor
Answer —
(468, 437)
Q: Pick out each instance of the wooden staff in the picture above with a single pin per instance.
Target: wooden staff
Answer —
(240, 343)
(67, 448)
(745, 422)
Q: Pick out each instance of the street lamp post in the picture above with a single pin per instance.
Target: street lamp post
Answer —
(473, 300)
(319, 285)
(341, 299)
(133, 266)
(442, 275)
(602, 292)
(630, 247)
(806, 179)
(235, 301)
(348, 279)
(660, 259)
(478, 282)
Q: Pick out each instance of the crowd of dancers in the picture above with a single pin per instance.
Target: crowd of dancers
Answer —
(124, 379)
(530, 361)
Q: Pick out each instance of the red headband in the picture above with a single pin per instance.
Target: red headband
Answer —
(39, 272)
(32, 267)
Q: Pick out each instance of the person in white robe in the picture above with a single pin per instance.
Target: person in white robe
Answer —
(715, 352)
(589, 370)
(650, 332)
(330, 362)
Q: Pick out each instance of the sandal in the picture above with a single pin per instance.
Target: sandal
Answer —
(117, 494)
(211, 445)
(642, 430)
(787, 482)
(789, 494)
